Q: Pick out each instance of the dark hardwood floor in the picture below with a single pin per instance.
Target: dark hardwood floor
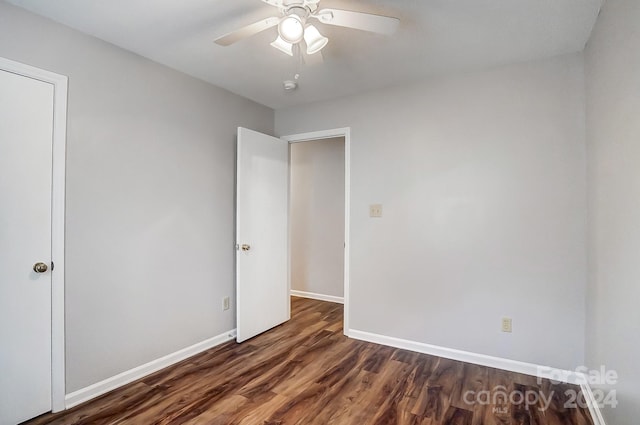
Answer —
(307, 372)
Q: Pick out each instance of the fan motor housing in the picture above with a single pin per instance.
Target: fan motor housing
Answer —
(311, 5)
(291, 3)
(301, 11)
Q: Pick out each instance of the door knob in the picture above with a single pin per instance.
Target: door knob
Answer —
(40, 267)
(246, 247)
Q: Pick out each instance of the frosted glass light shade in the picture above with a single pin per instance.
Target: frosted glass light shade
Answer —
(283, 46)
(315, 41)
(291, 29)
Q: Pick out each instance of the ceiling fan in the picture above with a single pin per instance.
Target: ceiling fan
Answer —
(294, 27)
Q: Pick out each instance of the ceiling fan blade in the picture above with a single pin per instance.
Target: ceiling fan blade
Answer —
(362, 21)
(286, 3)
(276, 3)
(248, 31)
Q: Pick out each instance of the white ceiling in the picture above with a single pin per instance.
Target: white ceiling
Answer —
(435, 36)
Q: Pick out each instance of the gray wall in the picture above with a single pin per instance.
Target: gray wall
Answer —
(482, 181)
(150, 203)
(317, 216)
(613, 128)
(481, 177)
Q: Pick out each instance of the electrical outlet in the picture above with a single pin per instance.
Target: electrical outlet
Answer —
(225, 303)
(375, 210)
(506, 324)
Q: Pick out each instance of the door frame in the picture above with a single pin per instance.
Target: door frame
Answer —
(327, 134)
(58, 166)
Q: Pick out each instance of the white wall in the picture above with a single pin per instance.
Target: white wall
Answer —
(317, 217)
(150, 204)
(613, 127)
(482, 179)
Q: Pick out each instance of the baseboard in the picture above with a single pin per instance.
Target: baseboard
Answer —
(320, 297)
(555, 374)
(592, 404)
(109, 384)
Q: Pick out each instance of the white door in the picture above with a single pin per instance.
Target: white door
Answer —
(26, 131)
(262, 286)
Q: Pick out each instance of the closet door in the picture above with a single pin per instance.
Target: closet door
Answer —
(26, 135)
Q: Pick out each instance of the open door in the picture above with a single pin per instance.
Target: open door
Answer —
(262, 287)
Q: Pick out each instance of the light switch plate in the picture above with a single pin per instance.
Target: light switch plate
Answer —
(375, 210)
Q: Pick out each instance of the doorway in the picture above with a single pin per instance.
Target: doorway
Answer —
(319, 216)
(263, 230)
(317, 219)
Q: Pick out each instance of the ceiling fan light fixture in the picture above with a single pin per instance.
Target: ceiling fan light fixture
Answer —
(291, 29)
(315, 41)
(283, 46)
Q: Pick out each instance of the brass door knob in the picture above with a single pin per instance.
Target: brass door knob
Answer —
(246, 247)
(40, 267)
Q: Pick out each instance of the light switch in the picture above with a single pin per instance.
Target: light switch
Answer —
(375, 210)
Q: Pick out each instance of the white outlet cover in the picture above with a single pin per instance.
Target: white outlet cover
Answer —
(507, 325)
(375, 210)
